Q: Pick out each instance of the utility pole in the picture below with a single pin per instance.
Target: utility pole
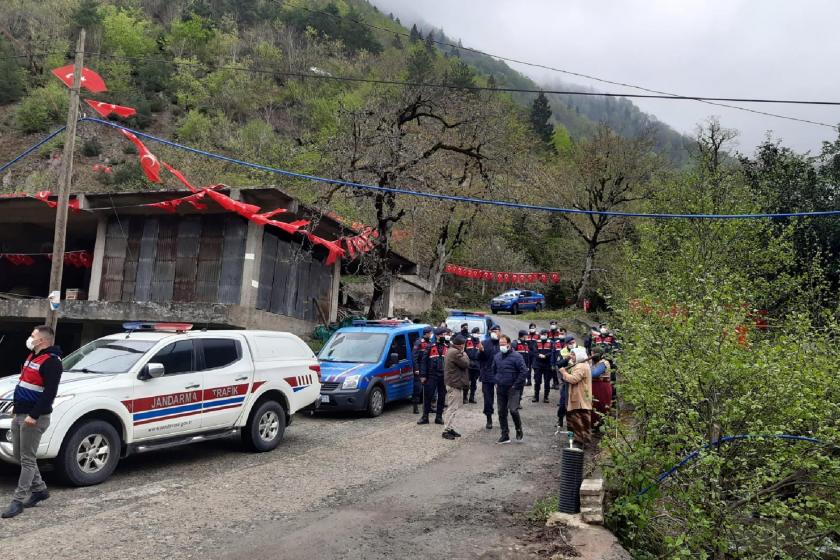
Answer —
(65, 181)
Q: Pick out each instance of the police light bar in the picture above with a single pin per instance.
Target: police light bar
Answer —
(157, 327)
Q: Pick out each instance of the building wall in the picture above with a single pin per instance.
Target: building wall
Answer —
(409, 294)
(292, 280)
(174, 259)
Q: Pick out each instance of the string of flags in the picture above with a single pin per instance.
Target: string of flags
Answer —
(152, 167)
(76, 259)
(502, 277)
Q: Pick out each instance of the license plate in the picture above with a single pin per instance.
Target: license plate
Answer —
(325, 398)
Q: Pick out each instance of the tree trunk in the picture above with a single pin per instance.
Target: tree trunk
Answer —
(583, 285)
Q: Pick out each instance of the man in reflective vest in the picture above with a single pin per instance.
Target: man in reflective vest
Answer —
(33, 400)
(471, 348)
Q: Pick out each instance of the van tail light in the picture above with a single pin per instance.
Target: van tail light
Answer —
(316, 368)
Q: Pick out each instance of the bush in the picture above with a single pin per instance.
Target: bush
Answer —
(91, 147)
(12, 86)
(195, 127)
(43, 107)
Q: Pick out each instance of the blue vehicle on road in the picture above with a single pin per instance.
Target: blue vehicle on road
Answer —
(367, 365)
(517, 300)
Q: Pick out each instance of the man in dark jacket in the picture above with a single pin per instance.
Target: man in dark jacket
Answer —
(486, 352)
(543, 357)
(431, 375)
(456, 377)
(471, 348)
(509, 371)
(33, 400)
(417, 353)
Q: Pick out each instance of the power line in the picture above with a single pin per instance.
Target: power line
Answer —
(276, 72)
(561, 70)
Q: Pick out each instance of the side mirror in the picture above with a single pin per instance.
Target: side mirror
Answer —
(150, 371)
(393, 359)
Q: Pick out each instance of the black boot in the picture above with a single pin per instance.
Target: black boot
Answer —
(14, 509)
(489, 425)
(36, 497)
(472, 398)
(415, 408)
(423, 420)
(438, 419)
(536, 397)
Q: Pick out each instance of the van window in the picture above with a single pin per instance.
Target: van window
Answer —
(219, 352)
(412, 338)
(398, 347)
(176, 358)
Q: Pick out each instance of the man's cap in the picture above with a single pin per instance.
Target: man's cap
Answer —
(544, 331)
(496, 328)
(441, 331)
(523, 332)
(427, 330)
(458, 339)
(569, 338)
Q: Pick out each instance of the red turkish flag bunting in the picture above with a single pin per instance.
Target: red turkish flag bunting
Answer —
(180, 176)
(148, 161)
(91, 81)
(105, 109)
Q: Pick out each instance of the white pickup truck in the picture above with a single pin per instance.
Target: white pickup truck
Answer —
(160, 386)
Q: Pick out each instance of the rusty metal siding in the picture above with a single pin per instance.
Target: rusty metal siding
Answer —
(163, 274)
(113, 262)
(135, 234)
(282, 277)
(209, 255)
(186, 258)
(268, 263)
(146, 260)
(233, 259)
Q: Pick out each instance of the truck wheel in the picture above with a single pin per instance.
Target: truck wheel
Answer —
(265, 427)
(515, 309)
(89, 454)
(376, 402)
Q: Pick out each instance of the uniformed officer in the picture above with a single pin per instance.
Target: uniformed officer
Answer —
(487, 350)
(558, 336)
(431, 374)
(543, 358)
(471, 348)
(533, 338)
(523, 346)
(465, 330)
(418, 351)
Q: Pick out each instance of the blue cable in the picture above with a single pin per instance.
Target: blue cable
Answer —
(31, 149)
(693, 455)
(447, 197)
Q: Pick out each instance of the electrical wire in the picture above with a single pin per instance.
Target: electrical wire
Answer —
(560, 70)
(422, 194)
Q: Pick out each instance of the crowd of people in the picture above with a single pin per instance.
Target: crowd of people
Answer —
(450, 366)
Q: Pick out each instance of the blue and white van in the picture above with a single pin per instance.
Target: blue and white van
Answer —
(367, 365)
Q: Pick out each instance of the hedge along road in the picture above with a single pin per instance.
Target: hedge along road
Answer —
(340, 486)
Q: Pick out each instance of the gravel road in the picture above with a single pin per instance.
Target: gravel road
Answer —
(340, 486)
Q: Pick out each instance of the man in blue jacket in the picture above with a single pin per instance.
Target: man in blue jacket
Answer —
(510, 373)
(486, 351)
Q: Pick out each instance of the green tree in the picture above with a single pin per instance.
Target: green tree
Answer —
(87, 15)
(12, 84)
(419, 66)
(414, 34)
(430, 42)
(126, 32)
(541, 119)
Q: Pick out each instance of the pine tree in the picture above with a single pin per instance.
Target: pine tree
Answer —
(491, 81)
(414, 36)
(430, 42)
(541, 119)
(397, 42)
(419, 66)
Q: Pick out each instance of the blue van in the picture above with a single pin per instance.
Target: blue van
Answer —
(367, 365)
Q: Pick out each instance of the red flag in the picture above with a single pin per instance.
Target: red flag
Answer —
(555, 277)
(226, 202)
(335, 252)
(148, 161)
(91, 81)
(544, 278)
(349, 247)
(105, 109)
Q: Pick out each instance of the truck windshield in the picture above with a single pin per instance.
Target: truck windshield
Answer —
(355, 347)
(107, 355)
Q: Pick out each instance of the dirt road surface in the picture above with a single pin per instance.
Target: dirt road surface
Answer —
(340, 486)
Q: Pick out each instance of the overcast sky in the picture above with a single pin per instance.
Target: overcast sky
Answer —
(718, 48)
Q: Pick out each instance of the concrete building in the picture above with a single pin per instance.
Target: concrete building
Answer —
(208, 267)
